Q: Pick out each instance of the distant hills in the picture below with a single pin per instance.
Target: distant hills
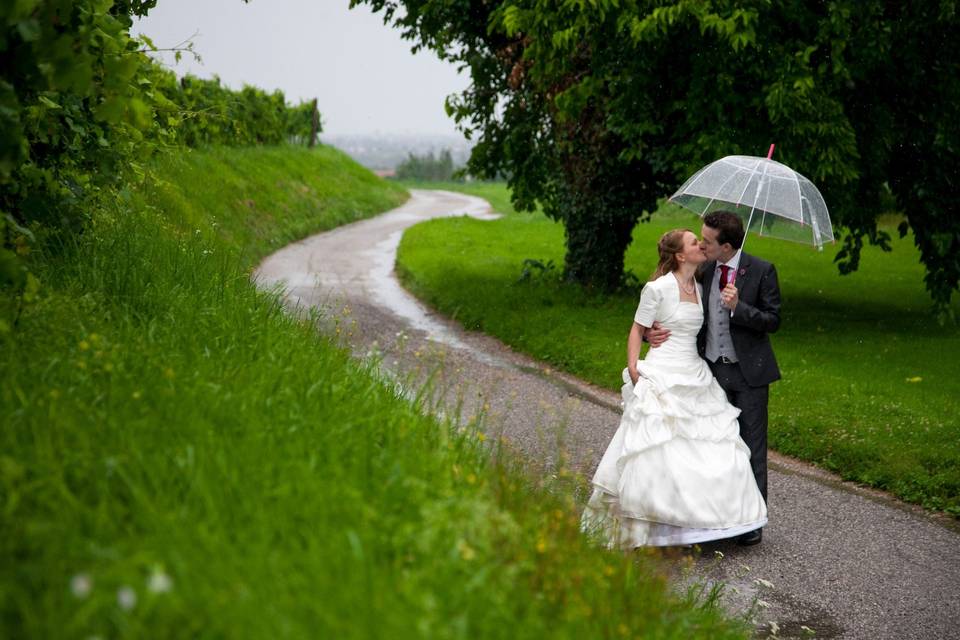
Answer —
(382, 152)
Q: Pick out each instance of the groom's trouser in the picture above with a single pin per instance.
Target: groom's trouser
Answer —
(752, 402)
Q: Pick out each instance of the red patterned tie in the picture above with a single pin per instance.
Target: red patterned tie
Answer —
(724, 275)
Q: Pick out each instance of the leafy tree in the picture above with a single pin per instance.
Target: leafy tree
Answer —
(598, 108)
(427, 167)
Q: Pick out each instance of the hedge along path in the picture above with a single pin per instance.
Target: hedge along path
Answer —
(843, 561)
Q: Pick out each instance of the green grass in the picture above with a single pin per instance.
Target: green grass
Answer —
(261, 199)
(167, 423)
(870, 379)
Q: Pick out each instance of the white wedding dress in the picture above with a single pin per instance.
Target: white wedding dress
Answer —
(677, 471)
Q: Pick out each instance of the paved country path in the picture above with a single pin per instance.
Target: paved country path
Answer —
(846, 562)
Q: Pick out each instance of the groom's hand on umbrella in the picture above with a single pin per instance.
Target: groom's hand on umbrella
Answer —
(729, 297)
(656, 335)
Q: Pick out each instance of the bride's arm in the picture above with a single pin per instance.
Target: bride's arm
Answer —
(644, 318)
(634, 340)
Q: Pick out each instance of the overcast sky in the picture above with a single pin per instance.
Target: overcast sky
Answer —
(360, 70)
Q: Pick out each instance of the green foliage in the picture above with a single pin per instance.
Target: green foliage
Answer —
(303, 124)
(171, 433)
(596, 109)
(869, 387)
(73, 107)
(427, 167)
(83, 108)
(203, 112)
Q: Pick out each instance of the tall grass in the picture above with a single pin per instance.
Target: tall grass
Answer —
(180, 458)
(870, 379)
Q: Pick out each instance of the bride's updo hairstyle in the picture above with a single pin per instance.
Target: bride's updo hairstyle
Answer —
(669, 245)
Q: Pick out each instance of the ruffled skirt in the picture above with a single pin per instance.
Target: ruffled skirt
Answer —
(676, 471)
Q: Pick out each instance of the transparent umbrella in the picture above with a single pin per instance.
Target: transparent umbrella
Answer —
(773, 199)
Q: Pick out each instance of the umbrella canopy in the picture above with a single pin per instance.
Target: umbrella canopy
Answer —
(773, 199)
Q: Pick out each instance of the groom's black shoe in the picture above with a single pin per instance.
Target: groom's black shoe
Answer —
(750, 538)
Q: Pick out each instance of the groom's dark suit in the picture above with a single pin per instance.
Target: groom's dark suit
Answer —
(747, 381)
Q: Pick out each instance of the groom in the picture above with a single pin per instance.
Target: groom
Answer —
(741, 307)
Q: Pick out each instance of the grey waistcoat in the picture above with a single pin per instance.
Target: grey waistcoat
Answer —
(718, 328)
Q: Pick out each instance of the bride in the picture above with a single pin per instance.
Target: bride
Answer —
(676, 471)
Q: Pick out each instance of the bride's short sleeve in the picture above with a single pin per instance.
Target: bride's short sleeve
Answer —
(649, 303)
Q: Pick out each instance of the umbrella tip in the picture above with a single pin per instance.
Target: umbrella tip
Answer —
(770, 152)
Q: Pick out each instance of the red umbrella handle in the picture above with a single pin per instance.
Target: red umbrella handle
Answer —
(770, 152)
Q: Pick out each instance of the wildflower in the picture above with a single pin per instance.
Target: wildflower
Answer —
(763, 604)
(763, 583)
(126, 598)
(84, 345)
(719, 554)
(136, 395)
(81, 585)
(774, 628)
(159, 581)
(541, 545)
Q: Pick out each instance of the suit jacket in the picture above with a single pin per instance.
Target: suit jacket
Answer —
(757, 315)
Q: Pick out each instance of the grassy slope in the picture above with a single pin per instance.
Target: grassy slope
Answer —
(870, 382)
(260, 199)
(163, 418)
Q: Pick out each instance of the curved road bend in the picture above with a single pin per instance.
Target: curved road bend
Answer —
(843, 561)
